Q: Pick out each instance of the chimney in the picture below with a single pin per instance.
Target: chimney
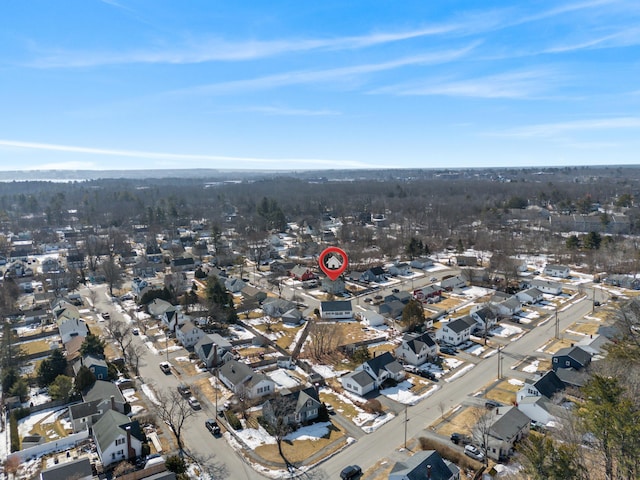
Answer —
(113, 402)
(130, 454)
(429, 471)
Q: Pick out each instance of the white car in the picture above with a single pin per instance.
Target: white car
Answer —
(473, 452)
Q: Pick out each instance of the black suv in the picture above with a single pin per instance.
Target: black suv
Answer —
(213, 427)
(352, 471)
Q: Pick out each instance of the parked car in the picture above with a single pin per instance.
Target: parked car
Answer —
(491, 404)
(194, 403)
(165, 367)
(352, 471)
(395, 290)
(184, 390)
(433, 279)
(473, 452)
(106, 315)
(330, 409)
(459, 438)
(448, 350)
(213, 427)
(135, 331)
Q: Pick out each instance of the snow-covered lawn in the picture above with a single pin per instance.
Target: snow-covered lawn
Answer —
(401, 393)
(506, 331)
(532, 367)
(452, 362)
(151, 395)
(515, 381)
(460, 372)
(328, 371)
(283, 379)
(475, 350)
(25, 425)
(528, 317)
(256, 437)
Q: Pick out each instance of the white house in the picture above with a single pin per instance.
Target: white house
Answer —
(456, 331)
(416, 349)
(188, 334)
(358, 382)
(212, 349)
(546, 385)
(508, 426)
(510, 306)
(546, 286)
(72, 327)
(173, 319)
(453, 283)
(240, 378)
(560, 271)
(117, 438)
(400, 268)
(383, 367)
(336, 310)
(530, 295)
(485, 317)
(373, 319)
(538, 409)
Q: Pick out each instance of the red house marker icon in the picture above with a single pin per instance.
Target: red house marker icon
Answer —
(333, 262)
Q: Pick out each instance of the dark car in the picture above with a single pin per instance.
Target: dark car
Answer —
(491, 404)
(456, 437)
(352, 471)
(448, 350)
(213, 427)
(165, 367)
(184, 390)
(395, 290)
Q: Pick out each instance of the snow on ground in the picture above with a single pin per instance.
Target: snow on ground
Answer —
(242, 333)
(311, 432)
(490, 353)
(182, 359)
(528, 317)
(136, 409)
(254, 438)
(38, 396)
(283, 379)
(129, 395)
(459, 373)
(401, 393)
(476, 292)
(430, 367)
(475, 350)
(506, 331)
(56, 416)
(151, 348)
(378, 422)
(151, 395)
(327, 371)
(532, 367)
(515, 381)
(452, 362)
(25, 425)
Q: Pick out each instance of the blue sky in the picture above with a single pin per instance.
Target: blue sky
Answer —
(150, 84)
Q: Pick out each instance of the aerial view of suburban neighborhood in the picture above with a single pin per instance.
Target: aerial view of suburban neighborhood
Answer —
(436, 324)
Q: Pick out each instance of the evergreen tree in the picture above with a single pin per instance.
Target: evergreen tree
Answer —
(92, 345)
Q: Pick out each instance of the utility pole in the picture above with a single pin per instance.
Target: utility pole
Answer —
(557, 325)
(406, 420)
(499, 362)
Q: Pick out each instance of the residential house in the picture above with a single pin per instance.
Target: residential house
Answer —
(335, 287)
(530, 295)
(539, 409)
(189, 334)
(574, 357)
(117, 438)
(72, 327)
(276, 307)
(374, 274)
(466, 261)
(292, 317)
(453, 283)
(421, 263)
(212, 349)
(145, 269)
(509, 307)
(383, 367)
(623, 281)
(371, 318)
(184, 264)
(336, 310)
(173, 318)
(138, 285)
(546, 286)
(456, 332)
(560, 271)
(157, 307)
(546, 385)
(416, 349)
(76, 469)
(75, 261)
(242, 380)
(252, 294)
(72, 348)
(508, 426)
(425, 464)
(102, 390)
(485, 317)
(402, 297)
(358, 382)
(428, 293)
(234, 284)
(302, 273)
(153, 253)
(97, 366)
(302, 406)
(400, 268)
(51, 265)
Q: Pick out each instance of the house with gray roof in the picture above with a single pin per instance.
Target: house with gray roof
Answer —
(540, 409)
(383, 367)
(452, 283)
(508, 426)
(336, 310)
(485, 317)
(77, 470)
(425, 464)
(97, 366)
(102, 390)
(302, 406)
(117, 438)
(374, 274)
(241, 379)
(189, 334)
(510, 306)
(234, 284)
(416, 348)
(72, 327)
(212, 349)
(546, 385)
(276, 307)
(530, 295)
(358, 382)
(421, 263)
(457, 331)
(545, 286)
(560, 271)
(400, 268)
(574, 357)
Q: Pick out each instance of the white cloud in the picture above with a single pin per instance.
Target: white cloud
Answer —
(554, 129)
(179, 160)
(318, 76)
(514, 85)
(285, 111)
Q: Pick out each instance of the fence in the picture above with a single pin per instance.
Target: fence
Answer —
(51, 447)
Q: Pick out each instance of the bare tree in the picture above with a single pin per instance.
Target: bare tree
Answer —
(134, 353)
(174, 410)
(112, 273)
(119, 332)
(481, 431)
(280, 411)
(324, 336)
